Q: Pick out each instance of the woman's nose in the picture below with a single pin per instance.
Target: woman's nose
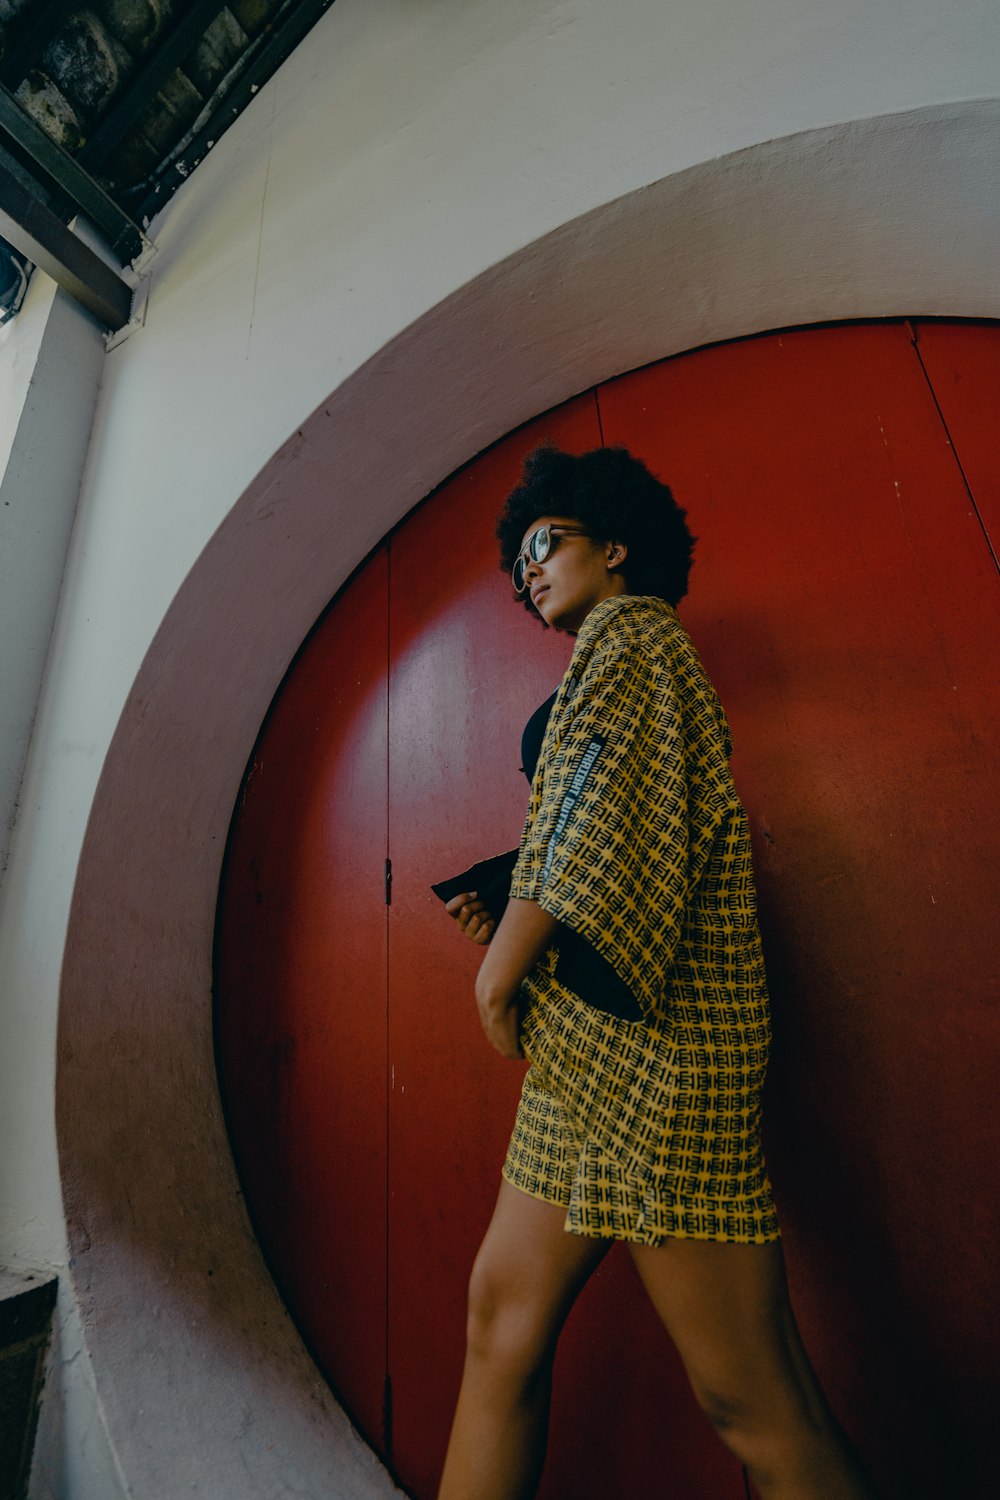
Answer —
(531, 570)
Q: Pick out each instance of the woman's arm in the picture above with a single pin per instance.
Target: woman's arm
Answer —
(524, 933)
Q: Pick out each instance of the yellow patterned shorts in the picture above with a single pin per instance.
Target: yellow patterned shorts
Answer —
(549, 1159)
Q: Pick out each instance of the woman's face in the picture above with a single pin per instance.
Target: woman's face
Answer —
(577, 573)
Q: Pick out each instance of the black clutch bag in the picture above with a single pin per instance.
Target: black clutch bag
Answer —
(579, 966)
(489, 878)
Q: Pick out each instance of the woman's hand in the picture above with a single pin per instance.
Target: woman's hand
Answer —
(472, 917)
(500, 1017)
(522, 937)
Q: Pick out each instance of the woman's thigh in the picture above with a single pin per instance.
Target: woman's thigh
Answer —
(726, 1308)
(527, 1274)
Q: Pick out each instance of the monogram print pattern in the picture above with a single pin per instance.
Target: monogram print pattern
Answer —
(636, 839)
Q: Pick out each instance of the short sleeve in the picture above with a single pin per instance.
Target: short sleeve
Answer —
(605, 849)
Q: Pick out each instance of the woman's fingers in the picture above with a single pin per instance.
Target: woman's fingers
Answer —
(464, 909)
(458, 905)
(471, 916)
(480, 928)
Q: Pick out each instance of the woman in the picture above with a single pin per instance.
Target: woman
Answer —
(627, 968)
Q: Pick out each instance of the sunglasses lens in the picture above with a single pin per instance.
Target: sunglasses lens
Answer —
(539, 543)
(536, 549)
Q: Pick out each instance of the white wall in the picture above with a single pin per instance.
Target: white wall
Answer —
(50, 373)
(405, 149)
(615, 159)
(20, 340)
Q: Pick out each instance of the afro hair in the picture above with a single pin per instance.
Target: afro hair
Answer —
(616, 497)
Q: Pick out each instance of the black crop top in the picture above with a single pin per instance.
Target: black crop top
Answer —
(534, 733)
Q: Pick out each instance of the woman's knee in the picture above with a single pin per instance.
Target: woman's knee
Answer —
(506, 1326)
(725, 1409)
(767, 1425)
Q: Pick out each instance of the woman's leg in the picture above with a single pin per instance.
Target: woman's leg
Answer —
(726, 1307)
(524, 1282)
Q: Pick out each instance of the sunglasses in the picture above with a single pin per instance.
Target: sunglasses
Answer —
(537, 548)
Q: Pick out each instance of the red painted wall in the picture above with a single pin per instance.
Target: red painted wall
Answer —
(845, 601)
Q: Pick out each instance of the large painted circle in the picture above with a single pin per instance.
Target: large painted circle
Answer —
(841, 486)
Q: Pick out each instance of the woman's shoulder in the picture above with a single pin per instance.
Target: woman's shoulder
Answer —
(625, 622)
(641, 636)
(629, 643)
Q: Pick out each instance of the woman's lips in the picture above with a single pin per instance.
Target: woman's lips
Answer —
(536, 594)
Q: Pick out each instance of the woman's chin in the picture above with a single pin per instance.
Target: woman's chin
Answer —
(552, 617)
(564, 618)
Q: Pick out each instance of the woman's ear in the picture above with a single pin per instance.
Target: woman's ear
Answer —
(616, 553)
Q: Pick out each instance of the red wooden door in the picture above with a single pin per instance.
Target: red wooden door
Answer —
(844, 598)
(962, 362)
(300, 1004)
(467, 669)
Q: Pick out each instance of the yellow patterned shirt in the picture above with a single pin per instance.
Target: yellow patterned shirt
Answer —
(636, 840)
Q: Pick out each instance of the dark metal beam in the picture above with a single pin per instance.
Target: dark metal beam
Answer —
(124, 236)
(16, 167)
(33, 229)
(296, 21)
(46, 19)
(182, 40)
